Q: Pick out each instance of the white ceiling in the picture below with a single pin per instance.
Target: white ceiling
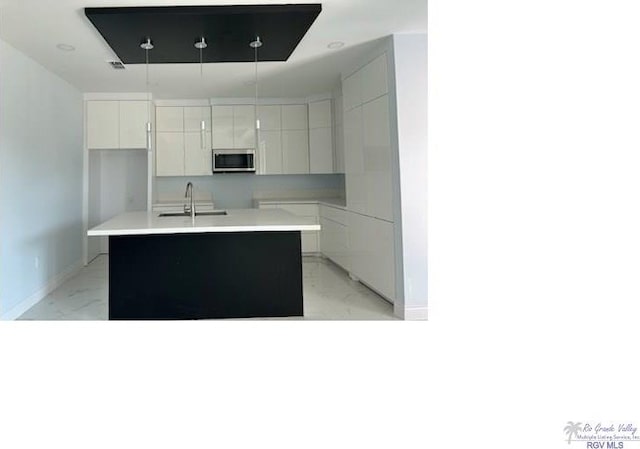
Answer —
(36, 26)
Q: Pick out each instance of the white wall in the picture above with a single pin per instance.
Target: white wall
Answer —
(410, 81)
(40, 180)
(117, 184)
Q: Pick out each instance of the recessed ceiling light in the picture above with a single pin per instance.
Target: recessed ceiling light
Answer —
(65, 47)
(336, 44)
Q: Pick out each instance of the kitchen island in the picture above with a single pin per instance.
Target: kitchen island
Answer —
(244, 264)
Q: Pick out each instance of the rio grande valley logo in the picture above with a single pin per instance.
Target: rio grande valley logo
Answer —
(602, 435)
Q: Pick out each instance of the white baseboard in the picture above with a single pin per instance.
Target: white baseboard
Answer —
(414, 314)
(34, 299)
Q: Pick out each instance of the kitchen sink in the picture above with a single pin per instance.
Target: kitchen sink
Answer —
(198, 214)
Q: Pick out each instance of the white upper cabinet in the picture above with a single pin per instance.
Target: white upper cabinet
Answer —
(320, 114)
(103, 124)
(170, 119)
(270, 152)
(320, 150)
(270, 117)
(197, 154)
(182, 147)
(233, 126)
(295, 151)
(320, 137)
(222, 127)
(352, 91)
(244, 126)
(169, 154)
(374, 79)
(194, 116)
(133, 123)
(114, 124)
(294, 117)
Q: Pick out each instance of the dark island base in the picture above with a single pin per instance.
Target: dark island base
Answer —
(205, 275)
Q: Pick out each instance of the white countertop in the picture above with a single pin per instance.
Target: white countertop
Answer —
(237, 220)
(333, 202)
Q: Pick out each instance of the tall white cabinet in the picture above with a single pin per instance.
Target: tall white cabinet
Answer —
(368, 176)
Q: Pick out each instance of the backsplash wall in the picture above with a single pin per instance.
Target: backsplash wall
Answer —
(237, 190)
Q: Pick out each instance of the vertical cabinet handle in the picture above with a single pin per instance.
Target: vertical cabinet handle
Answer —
(202, 135)
(148, 136)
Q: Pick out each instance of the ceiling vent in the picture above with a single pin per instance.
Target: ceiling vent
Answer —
(117, 65)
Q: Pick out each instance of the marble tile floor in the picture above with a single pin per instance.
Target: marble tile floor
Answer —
(329, 294)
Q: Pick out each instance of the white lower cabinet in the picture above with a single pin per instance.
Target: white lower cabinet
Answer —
(371, 253)
(362, 245)
(309, 239)
(333, 235)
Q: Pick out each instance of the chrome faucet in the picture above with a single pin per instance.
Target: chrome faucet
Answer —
(191, 208)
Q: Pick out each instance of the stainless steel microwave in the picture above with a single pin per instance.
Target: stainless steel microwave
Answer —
(241, 160)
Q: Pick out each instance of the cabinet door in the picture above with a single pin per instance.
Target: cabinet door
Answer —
(170, 119)
(377, 158)
(133, 124)
(354, 161)
(320, 114)
(102, 124)
(352, 91)
(371, 252)
(309, 241)
(320, 150)
(374, 79)
(338, 131)
(338, 153)
(270, 119)
(197, 154)
(244, 126)
(169, 154)
(222, 126)
(270, 159)
(333, 241)
(194, 116)
(294, 117)
(295, 152)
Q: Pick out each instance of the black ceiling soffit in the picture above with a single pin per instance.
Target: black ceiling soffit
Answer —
(227, 30)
